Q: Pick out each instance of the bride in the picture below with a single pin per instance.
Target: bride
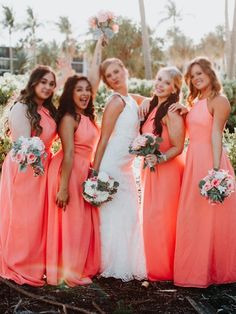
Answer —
(121, 232)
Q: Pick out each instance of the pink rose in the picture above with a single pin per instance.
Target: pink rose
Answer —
(31, 158)
(93, 22)
(102, 17)
(215, 182)
(19, 157)
(115, 28)
(207, 186)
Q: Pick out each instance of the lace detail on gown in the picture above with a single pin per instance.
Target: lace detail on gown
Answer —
(121, 230)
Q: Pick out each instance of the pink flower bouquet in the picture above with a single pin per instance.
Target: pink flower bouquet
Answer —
(144, 145)
(217, 185)
(29, 151)
(98, 189)
(104, 23)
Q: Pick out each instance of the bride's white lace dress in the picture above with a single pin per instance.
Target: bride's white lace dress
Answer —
(121, 230)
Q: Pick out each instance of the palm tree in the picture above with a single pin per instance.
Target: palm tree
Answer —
(32, 25)
(171, 14)
(65, 28)
(227, 39)
(9, 23)
(233, 46)
(145, 42)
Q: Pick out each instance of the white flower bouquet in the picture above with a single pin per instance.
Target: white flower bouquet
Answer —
(29, 151)
(217, 185)
(144, 145)
(99, 189)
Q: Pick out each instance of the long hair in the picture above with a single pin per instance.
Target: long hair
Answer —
(67, 103)
(176, 76)
(27, 96)
(207, 68)
(106, 63)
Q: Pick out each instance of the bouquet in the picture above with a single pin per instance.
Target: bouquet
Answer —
(99, 189)
(29, 151)
(144, 145)
(104, 23)
(217, 185)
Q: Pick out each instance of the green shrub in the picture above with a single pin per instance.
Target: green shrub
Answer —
(5, 146)
(229, 141)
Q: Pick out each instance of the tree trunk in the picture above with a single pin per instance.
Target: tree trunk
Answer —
(11, 54)
(146, 46)
(227, 39)
(233, 46)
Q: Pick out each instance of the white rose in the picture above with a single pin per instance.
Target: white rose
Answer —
(102, 196)
(89, 190)
(102, 176)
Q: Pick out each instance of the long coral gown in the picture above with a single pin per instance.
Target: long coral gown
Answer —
(23, 216)
(73, 240)
(206, 234)
(161, 190)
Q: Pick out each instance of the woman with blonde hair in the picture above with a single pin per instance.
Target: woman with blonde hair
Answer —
(206, 236)
(121, 238)
(161, 188)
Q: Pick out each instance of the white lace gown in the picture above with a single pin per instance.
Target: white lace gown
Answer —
(121, 230)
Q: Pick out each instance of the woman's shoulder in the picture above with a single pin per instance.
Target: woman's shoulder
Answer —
(220, 101)
(115, 100)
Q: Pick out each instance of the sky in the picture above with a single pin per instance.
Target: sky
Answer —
(198, 16)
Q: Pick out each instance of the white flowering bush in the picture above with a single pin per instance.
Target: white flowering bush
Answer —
(10, 86)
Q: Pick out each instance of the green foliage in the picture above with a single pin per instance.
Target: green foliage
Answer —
(5, 146)
(229, 141)
(230, 91)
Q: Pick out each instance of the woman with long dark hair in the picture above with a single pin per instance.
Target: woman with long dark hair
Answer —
(73, 242)
(161, 188)
(23, 196)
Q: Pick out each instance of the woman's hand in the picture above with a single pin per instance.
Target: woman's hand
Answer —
(143, 109)
(62, 199)
(178, 107)
(151, 160)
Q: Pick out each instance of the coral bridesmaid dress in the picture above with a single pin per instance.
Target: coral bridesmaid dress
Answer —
(206, 234)
(23, 216)
(73, 241)
(161, 191)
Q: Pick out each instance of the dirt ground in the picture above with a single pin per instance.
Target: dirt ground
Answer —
(114, 296)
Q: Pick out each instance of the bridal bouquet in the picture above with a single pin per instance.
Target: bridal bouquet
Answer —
(29, 151)
(217, 185)
(104, 23)
(99, 189)
(144, 145)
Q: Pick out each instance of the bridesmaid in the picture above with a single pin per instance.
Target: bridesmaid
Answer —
(73, 242)
(22, 196)
(206, 234)
(161, 188)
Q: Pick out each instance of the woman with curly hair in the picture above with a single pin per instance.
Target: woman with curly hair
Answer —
(22, 196)
(73, 242)
(206, 237)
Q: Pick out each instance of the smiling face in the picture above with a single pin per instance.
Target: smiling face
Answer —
(115, 76)
(81, 95)
(45, 87)
(163, 85)
(200, 80)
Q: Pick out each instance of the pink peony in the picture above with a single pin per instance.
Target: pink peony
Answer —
(102, 17)
(139, 142)
(19, 157)
(215, 182)
(207, 186)
(31, 158)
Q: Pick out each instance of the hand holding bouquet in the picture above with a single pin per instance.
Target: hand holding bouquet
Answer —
(104, 24)
(217, 185)
(29, 151)
(144, 145)
(98, 189)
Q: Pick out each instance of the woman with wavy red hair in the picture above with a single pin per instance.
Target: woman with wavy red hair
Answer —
(206, 235)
